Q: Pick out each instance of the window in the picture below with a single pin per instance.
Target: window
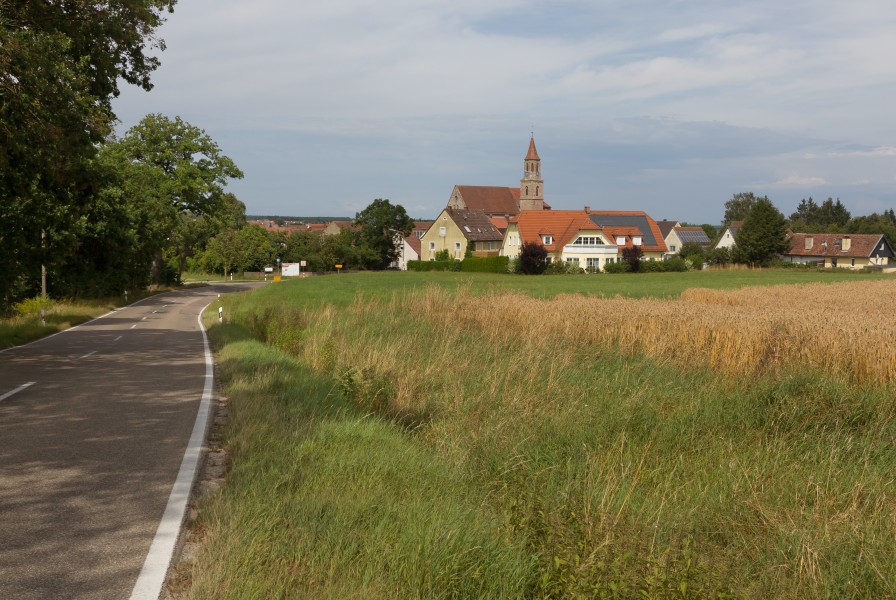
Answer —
(432, 245)
(547, 239)
(457, 246)
(572, 260)
(588, 240)
(636, 240)
(592, 264)
(620, 240)
(672, 248)
(611, 260)
(442, 231)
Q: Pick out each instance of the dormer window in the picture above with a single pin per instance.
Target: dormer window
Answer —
(636, 240)
(810, 241)
(620, 240)
(547, 239)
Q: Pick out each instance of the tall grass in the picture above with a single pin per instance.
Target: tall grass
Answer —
(576, 462)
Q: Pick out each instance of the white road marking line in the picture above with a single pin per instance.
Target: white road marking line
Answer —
(17, 390)
(144, 318)
(88, 355)
(158, 559)
(119, 337)
(134, 325)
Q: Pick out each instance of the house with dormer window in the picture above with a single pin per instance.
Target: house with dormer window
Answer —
(839, 250)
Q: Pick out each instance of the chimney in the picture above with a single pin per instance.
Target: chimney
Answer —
(588, 210)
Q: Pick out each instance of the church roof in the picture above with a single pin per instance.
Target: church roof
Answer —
(492, 200)
(533, 153)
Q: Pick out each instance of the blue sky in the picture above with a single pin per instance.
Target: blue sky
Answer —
(667, 107)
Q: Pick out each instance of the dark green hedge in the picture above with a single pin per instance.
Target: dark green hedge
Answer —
(491, 264)
(433, 265)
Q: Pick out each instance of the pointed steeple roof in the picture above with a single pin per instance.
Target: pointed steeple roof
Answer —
(533, 153)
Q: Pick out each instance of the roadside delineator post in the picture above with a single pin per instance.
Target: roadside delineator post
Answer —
(220, 314)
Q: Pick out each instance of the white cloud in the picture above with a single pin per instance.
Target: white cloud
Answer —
(794, 180)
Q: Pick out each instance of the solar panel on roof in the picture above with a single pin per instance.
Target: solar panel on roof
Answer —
(698, 237)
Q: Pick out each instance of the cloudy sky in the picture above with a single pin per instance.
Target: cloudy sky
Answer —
(670, 107)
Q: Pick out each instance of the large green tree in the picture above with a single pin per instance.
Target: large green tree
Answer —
(170, 172)
(60, 66)
(381, 223)
(738, 207)
(763, 236)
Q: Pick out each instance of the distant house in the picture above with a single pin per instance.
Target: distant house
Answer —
(454, 229)
(336, 227)
(631, 228)
(409, 247)
(729, 236)
(589, 239)
(675, 236)
(567, 235)
(833, 250)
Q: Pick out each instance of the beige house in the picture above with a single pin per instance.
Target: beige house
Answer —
(631, 228)
(567, 235)
(675, 235)
(839, 250)
(454, 229)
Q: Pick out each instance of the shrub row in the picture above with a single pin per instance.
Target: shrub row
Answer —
(491, 264)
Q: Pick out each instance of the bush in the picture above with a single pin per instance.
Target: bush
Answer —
(490, 264)
(617, 267)
(31, 307)
(533, 258)
(632, 255)
(442, 255)
(560, 267)
(434, 265)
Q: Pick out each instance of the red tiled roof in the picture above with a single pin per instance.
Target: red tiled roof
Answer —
(492, 200)
(533, 153)
(861, 245)
(316, 227)
(499, 222)
(561, 225)
(414, 242)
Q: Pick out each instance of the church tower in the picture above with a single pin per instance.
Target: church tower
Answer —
(531, 185)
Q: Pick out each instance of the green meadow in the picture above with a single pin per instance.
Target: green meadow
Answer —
(386, 442)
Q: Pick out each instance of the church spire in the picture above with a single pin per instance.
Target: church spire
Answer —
(531, 185)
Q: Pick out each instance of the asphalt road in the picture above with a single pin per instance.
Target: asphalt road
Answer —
(94, 423)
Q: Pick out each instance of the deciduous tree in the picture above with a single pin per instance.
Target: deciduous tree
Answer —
(380, 224)
(762, 237)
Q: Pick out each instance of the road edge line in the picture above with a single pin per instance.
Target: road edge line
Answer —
(158, 560)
